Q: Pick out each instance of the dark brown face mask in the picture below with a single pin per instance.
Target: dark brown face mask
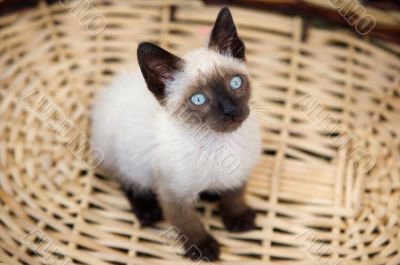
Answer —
(227, 106)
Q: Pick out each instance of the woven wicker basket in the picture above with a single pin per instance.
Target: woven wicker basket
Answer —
(388, 18)
(327, 188)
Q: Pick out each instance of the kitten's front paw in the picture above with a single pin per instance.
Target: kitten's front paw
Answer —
(207, 250)
(242, 222)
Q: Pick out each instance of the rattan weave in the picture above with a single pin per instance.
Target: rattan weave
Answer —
(383, 18)
(315, 202)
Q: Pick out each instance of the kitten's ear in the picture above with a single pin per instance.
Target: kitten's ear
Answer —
(158, 67)
(224, 37)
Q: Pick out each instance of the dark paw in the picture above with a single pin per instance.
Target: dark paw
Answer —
(242, 222)
(149, 216)
(209, 196)
(207, 250)
(145, 206)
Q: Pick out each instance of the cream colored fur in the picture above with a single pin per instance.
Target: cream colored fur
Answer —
(143, 144)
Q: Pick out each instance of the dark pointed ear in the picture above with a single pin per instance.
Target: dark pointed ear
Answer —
(224, 37)
(158, 67)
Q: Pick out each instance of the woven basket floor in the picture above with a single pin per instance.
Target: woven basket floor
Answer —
(315, 203)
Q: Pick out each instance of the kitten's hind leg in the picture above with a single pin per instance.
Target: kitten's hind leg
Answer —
(144, 204)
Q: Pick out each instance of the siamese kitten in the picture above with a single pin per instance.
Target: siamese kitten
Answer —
(166, 133)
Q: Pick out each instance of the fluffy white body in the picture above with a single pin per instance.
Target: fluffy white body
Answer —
(143, 144)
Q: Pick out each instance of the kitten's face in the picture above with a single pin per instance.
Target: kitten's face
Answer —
(212, 90)
(208, 87)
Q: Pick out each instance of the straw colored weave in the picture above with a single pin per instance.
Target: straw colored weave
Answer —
(384, 18)
(315, 202)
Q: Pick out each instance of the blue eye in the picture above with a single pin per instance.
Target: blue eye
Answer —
(198, 99)
(236, 82)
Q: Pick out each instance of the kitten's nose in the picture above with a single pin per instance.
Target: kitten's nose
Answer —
(228, 108)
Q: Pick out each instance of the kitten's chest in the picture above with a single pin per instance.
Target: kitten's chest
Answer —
(220, 162)
(223, 166)
(221, 157)
(194, 162)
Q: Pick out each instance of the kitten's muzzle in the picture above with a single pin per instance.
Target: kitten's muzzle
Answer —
(228, 108)
(231, 116)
